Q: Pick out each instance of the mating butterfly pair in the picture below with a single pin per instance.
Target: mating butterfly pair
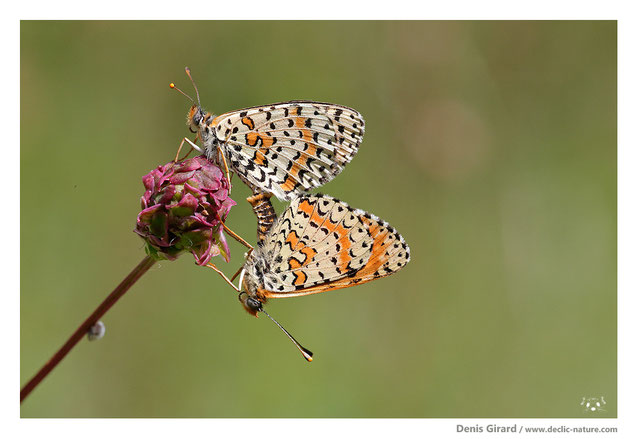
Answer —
(318, 243)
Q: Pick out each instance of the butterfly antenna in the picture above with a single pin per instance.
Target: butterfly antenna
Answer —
(188, 72)
(171, 85)
(305, 352)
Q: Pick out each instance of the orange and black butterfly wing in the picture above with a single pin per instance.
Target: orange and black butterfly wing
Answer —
(321, 244)
(290, 147)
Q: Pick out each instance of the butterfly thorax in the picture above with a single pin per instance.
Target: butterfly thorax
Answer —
(256, 266)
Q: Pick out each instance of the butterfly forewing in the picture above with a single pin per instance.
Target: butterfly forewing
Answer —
(290, 147)
(320, 244)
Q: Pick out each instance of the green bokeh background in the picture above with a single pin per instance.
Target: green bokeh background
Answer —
(491, 147)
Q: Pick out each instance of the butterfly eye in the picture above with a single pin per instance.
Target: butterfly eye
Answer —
(199, 115)
(253, 304)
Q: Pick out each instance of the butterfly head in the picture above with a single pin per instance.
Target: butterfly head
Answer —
(195, 118)
(251, 304)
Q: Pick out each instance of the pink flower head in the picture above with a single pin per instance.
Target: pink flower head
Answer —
(182, 210)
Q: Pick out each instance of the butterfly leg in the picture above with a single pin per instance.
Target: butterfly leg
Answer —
(240, 268)
(210, 265)
(237, 237)
(220, 152)
(192, 145)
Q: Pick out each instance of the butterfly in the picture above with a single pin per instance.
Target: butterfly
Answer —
(284, 149)
(319, 244)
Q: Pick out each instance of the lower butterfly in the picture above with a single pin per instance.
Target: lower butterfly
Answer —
(318, 244)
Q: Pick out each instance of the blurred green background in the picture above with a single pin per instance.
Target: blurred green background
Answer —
(491, 147)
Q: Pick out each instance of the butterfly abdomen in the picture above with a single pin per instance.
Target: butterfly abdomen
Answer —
(265, 213)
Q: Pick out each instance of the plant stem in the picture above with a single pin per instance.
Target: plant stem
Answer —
(118, 292)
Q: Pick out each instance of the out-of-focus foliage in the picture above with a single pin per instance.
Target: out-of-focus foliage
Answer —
(490, 146)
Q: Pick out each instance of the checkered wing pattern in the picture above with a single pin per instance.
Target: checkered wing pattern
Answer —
(290, 147)
(319, 244)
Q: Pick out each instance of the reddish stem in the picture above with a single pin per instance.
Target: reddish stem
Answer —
(118, 292)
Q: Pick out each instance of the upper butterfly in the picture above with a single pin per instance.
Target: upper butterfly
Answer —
(285, 149)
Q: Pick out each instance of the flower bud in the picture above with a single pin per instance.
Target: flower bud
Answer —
(182, 210)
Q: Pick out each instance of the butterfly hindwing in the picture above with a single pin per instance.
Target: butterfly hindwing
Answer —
(290, 147)
(320, 243)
